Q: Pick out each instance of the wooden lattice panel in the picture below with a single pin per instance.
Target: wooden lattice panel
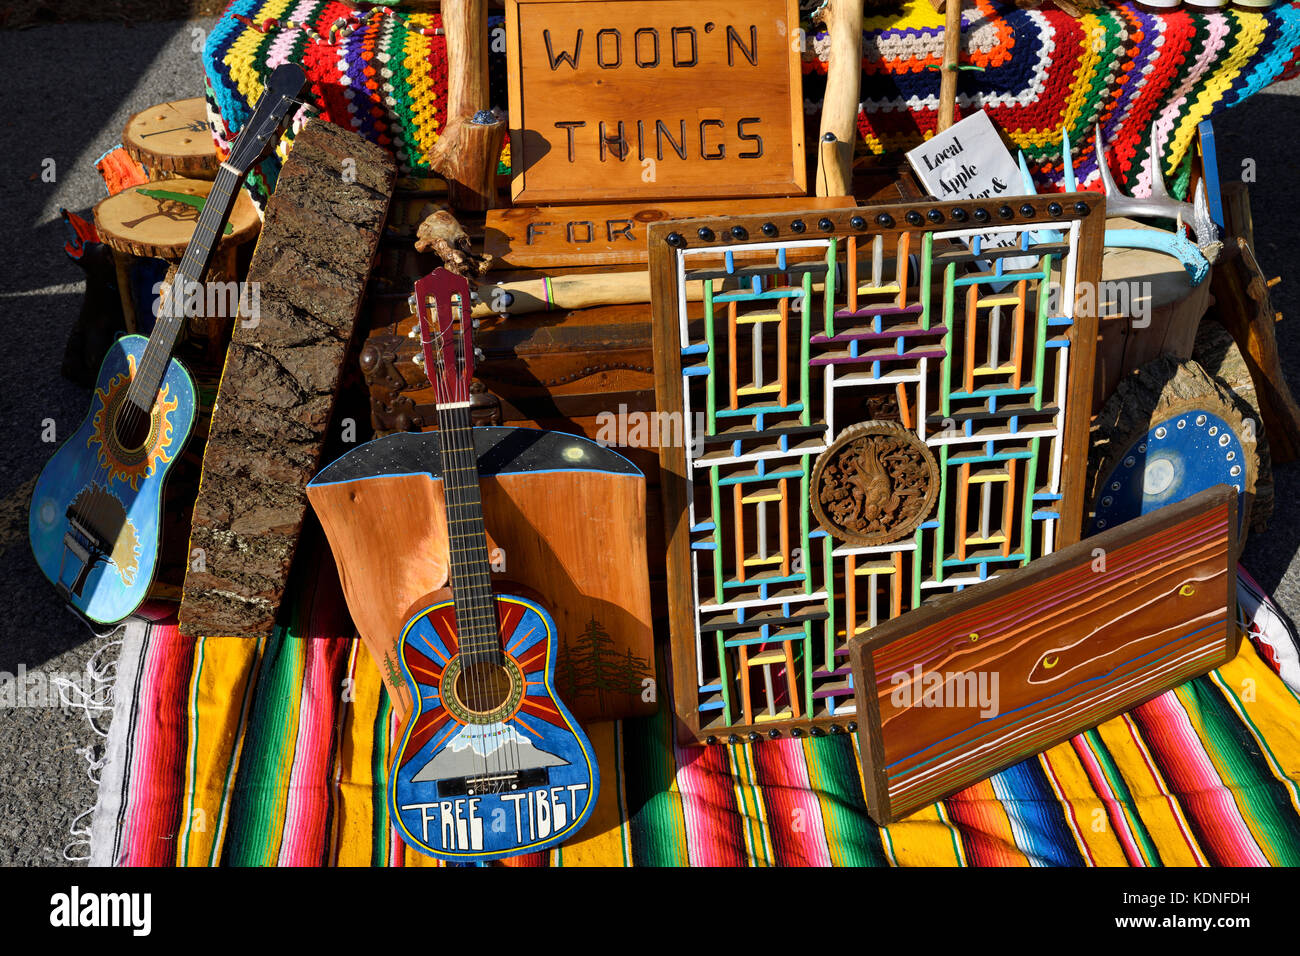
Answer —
(815, 322)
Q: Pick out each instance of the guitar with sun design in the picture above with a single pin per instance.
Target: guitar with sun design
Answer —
(491, 763)
(96, 509)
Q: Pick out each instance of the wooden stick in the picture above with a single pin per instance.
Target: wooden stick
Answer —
(948, 78)
(839, 129)
(475, 186)
(458, 156)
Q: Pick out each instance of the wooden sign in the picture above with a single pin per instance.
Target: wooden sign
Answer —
(539, 237)
(979, 680)
(654, 99)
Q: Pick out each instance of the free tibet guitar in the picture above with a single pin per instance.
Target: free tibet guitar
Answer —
(491, 763)
(95, 515)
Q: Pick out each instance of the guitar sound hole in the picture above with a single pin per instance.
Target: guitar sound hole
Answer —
(132, 425)
(483, 687)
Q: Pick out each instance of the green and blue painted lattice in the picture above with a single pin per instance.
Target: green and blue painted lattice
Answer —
(964, 325)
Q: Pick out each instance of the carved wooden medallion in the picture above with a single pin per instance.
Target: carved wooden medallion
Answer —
(875, 483)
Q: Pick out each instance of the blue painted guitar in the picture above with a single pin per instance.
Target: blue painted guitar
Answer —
(491, 763)
(94, 521)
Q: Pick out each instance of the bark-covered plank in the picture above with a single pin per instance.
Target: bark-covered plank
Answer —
(282, 377)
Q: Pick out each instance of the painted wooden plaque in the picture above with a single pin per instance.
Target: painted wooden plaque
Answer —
(539, 237)
(980, 680)
(654, 99)
(792, 530)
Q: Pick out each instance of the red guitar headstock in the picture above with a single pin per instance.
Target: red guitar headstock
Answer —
(442, 302)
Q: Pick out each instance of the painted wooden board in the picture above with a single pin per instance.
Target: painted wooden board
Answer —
(654, 99)
(539, 237)
(173, 139)
(895, 320)
(980, 680)
(566, 519)
(283, 373)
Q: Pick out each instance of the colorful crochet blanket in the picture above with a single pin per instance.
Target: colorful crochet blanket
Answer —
(1039, 71)
(383, 72)
(232, 751)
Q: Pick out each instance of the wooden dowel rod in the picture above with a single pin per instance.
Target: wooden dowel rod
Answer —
(839, 127)
(948, 77)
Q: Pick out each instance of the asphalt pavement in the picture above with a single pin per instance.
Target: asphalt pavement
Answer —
(71, 89)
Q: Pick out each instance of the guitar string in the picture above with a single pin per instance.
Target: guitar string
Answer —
(460, 458)
(509, 759)
(462, 590)
(482, 574)
(153, 363)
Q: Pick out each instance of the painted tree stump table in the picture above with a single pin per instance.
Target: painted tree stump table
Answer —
(155, 221)
(173, 140)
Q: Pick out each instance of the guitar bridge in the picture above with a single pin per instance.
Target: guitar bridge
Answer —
(87, 548)
(493, 782)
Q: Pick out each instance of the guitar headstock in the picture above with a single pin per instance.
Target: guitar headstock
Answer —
(259, 134)
(442, 303)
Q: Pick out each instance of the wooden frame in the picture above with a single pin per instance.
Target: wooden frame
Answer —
(852, 240)
(1125, 591)
(708, 99)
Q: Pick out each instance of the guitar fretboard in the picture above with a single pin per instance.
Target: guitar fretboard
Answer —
(191, 271)
(471, 572)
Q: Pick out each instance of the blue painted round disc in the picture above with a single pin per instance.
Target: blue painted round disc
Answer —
(1178, 457)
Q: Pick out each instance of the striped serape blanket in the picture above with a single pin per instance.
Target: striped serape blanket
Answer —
(273, 751)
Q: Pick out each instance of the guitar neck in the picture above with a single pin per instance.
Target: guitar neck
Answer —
(190, 274)
(471, 571)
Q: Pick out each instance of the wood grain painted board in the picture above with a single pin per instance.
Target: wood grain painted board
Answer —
(654, 99)
(960, 689)
(539, 237)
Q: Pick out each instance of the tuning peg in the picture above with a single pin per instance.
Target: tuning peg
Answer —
(419, 358)
(478, 355)
(410, 301)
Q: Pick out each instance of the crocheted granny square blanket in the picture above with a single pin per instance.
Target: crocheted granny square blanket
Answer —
(383, 72)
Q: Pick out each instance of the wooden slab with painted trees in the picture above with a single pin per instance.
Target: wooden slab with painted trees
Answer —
(979, 680)
(654, 99)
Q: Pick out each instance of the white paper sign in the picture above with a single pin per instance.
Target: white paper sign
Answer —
(968, 160)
